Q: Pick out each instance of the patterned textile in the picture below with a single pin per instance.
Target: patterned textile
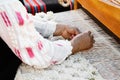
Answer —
(117, 2)
(35, 6)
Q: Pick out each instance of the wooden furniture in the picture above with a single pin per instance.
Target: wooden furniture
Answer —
(106, 13)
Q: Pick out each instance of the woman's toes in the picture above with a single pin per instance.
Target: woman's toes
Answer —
(89, 32)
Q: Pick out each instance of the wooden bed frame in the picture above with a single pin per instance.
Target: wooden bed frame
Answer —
(107, 14)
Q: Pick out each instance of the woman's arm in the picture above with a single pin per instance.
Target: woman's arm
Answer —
(45, 28)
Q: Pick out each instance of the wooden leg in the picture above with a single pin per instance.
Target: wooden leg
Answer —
(75, 4)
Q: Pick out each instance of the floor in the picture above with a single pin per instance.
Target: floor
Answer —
(106, 61)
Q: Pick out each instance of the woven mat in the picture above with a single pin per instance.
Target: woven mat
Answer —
(115, 3)
(75, 67)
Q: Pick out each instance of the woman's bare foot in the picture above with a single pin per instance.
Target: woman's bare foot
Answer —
(82, 41)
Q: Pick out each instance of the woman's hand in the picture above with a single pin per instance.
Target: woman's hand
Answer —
(66, 31)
